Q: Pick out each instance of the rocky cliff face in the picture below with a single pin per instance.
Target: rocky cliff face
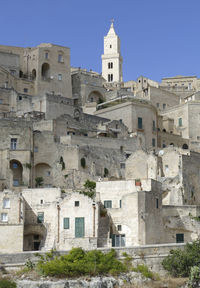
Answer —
(96, 282)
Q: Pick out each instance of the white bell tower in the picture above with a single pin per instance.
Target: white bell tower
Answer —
(111, 59)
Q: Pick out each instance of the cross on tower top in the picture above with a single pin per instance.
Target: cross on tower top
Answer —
(112, 21)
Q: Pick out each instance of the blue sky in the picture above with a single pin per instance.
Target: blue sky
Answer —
(159, 38)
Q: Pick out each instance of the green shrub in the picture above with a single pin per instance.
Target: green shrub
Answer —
(179, 262)
(7, 284)
(194, 278)
(78, 263)
(90, 185)
(144, 270)
(39, 181)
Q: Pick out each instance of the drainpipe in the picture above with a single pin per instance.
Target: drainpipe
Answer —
(58, 238)
(94, 208)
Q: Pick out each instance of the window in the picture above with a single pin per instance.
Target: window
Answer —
(35, 149)
(119, 227)
(166, 168)
(180, 122)
(41, 201)
(79, 227)
(108, 204)
(76, 203)
(122, 165)
(40, 217)
(180, 238)
(118, 240)
(110, 65)
(164, 106)
(157, 105)
(25, 90)
(15, 182)
(139, 123)
(153, 142)
(154, 125)
(110, 46)
(157, 203)
(15, 165)
(13, 143)
(60, 77)
(110, 77)
(65, 223)
(6, 203)
(20, 98)
(60, 58)
(4, 217)
(1, 101)
(46, 55)
(120, 203)
(48, 173)
(13, 72)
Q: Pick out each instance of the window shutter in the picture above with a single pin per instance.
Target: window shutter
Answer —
(66, 223)
(79, 227)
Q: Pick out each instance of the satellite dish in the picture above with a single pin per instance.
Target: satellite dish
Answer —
(161, 152)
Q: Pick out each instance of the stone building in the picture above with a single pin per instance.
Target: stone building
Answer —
(37, 70)
(11, 222)
(61, 126)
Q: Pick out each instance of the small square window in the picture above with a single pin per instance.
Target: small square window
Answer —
(25, 90)
(60, 77)
(164, 106)
(107, 204)
(1, 101)
(35, 149)
(180, 238)
(153, 142)
(20, 98)
(4, 217)
(119, 227)
(40, 217)
(41, 201)
(76, 203)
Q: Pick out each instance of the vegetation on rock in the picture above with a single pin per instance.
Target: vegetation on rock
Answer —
(179, 262)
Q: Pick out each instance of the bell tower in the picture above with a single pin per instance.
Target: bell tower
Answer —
(111, 59)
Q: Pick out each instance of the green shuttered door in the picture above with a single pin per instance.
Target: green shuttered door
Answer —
(79, 227)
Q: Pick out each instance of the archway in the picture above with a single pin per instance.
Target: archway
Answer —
(185, 146)
(45, 71)
(33, 74)
(17, 170)
(43, 175)
(95, 96)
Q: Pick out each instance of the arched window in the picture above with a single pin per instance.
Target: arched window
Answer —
(33, 74)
